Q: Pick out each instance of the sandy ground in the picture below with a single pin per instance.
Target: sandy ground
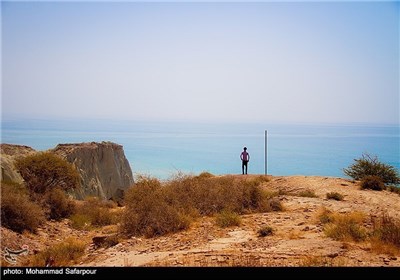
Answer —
(298, 239)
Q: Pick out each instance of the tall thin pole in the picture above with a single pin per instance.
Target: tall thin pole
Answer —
(265, 149)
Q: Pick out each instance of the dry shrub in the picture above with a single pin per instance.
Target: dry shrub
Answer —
(307, 193)
(153, 208)
(387, 230)
(265, 231)
(58, 204)
(335, 196)
(325, 215)
(393, 189)
(94, 212)
(61, 254)
(204, 175)
(18, 212)
(348, 226)
(372, 182)
(228, 219)
(210, 195)
(148, 212)
(80, 221)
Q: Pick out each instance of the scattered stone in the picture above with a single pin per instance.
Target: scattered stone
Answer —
(333, 255)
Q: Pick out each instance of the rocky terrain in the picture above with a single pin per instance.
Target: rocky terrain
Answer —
(298, 238)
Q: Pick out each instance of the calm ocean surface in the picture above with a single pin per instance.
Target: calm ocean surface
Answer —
(161, 149)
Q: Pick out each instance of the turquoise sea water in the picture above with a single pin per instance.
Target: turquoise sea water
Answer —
(162, 149)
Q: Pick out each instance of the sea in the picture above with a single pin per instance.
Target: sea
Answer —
(163, 149)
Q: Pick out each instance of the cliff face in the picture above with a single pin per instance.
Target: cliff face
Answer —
(105, 171)
(8, 154)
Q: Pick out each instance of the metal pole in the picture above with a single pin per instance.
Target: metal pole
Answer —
(265, 149)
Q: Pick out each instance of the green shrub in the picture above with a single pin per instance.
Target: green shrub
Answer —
(228, 218)
(44, 171)
(18, 212)
(59, 205)
(265, 231)
(335, 196)
(373, 183)
(371, 166)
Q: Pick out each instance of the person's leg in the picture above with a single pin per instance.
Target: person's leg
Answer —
(246, 167)
(242, 167)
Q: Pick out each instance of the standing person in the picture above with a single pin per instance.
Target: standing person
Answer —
(245, 157)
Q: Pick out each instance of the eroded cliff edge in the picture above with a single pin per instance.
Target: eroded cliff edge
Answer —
(104, 170)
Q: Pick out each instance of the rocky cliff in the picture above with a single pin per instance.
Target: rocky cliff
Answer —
(8, 154)
(105, 171)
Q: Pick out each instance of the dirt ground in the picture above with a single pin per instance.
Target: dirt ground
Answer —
(298, 239)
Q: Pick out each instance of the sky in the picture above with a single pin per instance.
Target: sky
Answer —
(238, 62)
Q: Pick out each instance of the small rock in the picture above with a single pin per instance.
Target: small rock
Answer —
(307, 228)
(220, 259)
(300, 224)
(393, 258)
(333, 255)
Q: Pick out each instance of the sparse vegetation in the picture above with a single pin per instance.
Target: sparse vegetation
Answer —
(153, 208)
(307, 193)
(265, 231)
(321, 261)
(387, 229)
(370, 166)
(344, 227)
(44, 171)
(228, 219)
(334, 196)
(18, 212)
(325, 216)
(61, 254)
(384, 235)
(93, 212)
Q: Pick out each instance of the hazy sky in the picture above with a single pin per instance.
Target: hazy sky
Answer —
(270, 62)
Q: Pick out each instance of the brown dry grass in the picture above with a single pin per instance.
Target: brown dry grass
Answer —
(155, 208)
